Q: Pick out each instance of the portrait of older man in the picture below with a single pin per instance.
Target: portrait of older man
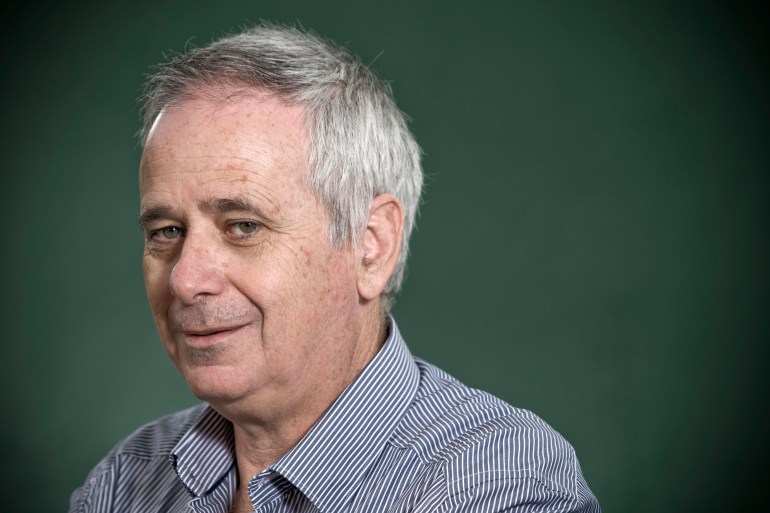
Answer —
(279, 184)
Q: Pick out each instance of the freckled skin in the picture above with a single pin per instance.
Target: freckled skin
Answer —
(267, 326)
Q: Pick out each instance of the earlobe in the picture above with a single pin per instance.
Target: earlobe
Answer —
(380, 245)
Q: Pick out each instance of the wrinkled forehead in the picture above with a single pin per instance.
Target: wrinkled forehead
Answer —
(216, 93)
(251, 127)
(223, 97)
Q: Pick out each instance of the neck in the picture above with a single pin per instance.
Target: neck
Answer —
(266, 432)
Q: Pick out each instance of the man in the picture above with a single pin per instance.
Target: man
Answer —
(279, 184)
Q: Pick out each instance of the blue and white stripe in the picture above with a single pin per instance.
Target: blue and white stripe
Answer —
(403, 437)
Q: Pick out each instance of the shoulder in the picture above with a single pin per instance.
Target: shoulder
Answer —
(450, 416)
(143, 455)
(484, 445)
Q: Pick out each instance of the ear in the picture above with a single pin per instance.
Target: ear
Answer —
(380, 246)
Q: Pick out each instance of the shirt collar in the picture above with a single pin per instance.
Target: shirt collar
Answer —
(330, 462)
(205, 454)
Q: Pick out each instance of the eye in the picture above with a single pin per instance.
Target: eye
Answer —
(242, 228)
(166, 233)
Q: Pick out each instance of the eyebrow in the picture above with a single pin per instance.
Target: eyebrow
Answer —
(226, 205)
(154, 213)
(215, 205)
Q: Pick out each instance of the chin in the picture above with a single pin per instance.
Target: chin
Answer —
(215, 384)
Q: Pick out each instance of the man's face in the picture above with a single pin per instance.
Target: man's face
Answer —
(253, 304)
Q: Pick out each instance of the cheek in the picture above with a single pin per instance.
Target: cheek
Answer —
(339, 276)
(321, 275)
(159, 299)
(157, 286)
(294, 284)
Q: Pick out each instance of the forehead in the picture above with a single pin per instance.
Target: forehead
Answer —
(251, 132)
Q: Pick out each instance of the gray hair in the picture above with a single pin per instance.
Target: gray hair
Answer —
(360, 144)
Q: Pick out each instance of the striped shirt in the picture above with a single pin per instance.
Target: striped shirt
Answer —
(403, 437)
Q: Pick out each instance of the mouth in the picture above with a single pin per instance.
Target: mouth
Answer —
(207, 336)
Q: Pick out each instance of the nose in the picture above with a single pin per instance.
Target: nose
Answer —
(198, 272)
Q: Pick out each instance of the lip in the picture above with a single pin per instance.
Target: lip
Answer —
(205, 337)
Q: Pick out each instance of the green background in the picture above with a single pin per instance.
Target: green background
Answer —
(592, 244)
